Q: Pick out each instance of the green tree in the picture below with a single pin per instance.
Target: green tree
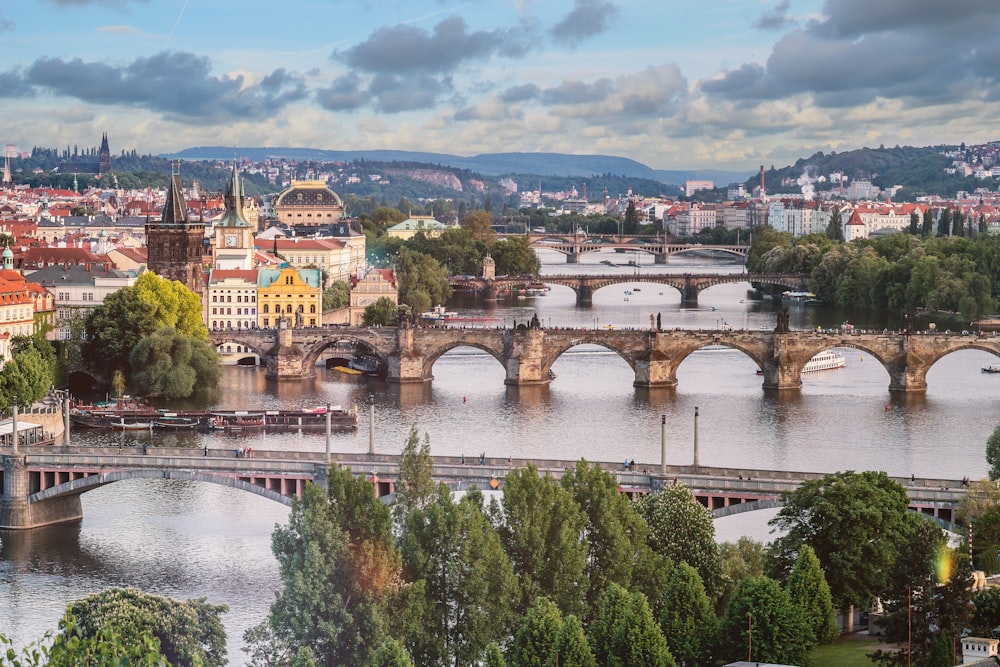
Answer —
(927, 224)
(337, 295)
(493, 656)
(416, 488)
(639, 642)
(914, 223)
(542, 531)
(835, 228)
(72, 647)
(601, 632)
(987, 615)
(616, 534)
(478, 224)
(341, 577)
(27, 376)
(682, 529)
(808, 589)
(571, 648)
(944, 222)
(739, 560)
(469, 583)
(535, 640)
(855, 522)
(170, 364)
(688, 621)
(127, 316)
(515, 257)
(762, 624)
(189, 633)
(391, 654)
(422, 280)
(382, 313)
(631, 224)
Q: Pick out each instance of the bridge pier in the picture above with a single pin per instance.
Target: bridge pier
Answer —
(689, 295)
(584, 295)
(661, 258)
(572, 258)
(285, 361)
(489, 292)
(525, 364)
(654, 371)
(910, 379)
(16, 513)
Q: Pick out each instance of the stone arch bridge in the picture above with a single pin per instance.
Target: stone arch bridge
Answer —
(527, 355)
(688, 284)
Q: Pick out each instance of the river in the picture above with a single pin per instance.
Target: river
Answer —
(201, 540)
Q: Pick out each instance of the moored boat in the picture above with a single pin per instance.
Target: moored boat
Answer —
(173, 422)
(130, 425)
(824, 361)
(992, 368)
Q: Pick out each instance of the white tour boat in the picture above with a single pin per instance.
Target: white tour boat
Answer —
(823, 361)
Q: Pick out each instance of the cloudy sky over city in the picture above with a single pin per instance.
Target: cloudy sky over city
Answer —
(671, 83)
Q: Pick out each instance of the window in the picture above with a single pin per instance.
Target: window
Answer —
(312, 308)
(265, 308)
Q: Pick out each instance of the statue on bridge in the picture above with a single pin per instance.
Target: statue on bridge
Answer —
(534, 322)
(782, 324)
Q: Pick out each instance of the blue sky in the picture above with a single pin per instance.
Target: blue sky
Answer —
(672, 83)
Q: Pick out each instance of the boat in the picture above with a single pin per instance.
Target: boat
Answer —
(824, 361)
(346, 370)
(127, 425)
(311, 419)
(992, 368)
(235, 420)
(437, 314)
(173, 422)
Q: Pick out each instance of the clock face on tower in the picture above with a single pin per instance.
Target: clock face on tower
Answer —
(231, 240)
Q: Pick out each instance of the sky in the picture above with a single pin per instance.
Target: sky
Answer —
(674, 84)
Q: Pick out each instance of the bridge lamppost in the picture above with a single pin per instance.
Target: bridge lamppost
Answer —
(371, 424)
(696, 437)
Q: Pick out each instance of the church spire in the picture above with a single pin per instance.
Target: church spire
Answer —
(6, 169)
(233, 216)
(175, 211)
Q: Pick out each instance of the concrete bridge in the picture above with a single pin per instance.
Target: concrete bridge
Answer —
(43, 485)
(576, 245)
(688, 284)
(527, 354)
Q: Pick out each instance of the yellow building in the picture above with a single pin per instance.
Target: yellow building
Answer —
(309, 204)
(295, 295)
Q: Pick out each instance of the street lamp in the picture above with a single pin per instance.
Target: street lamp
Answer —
(371, 424)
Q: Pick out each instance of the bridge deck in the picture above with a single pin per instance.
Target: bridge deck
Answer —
(706, 482)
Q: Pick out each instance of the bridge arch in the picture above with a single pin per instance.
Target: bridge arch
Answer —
(554, 352)
(314, 351)
(970, 344)
(847, 343)
(91, 482)
(734, 344)
(431, 356)
(225, 336)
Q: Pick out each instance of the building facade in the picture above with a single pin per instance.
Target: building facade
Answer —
(308, 204)
(289, 294)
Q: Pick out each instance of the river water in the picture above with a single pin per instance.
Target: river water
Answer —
(187, 539)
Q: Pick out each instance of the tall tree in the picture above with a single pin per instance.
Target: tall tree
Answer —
(601, 632)
(542, 530)
(493, 656)
(341, 576)
(422, 281)
(739, 560)
(993, 454)
(615, 533)
(631, 224)
(639, 640)
(535, 640)
(762, 624)
(571, 648)
(856, 524)
(835, 228)
(688, 621)
(391, 653)
(382, 313)
(808, 589)
(927, 224)
(957, 224)
(914, 223)
(944, 222)
(682, 529)
(469, 583)
(416, 488)
(27, 376)
(479, 226)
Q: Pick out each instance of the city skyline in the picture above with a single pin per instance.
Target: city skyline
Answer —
(672, 84)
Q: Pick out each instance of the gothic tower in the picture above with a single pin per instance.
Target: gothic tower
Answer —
(174, 244)
(234, 247)
(104, 156)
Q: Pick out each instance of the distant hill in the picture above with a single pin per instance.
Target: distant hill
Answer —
(490, 164)
(920, 170)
